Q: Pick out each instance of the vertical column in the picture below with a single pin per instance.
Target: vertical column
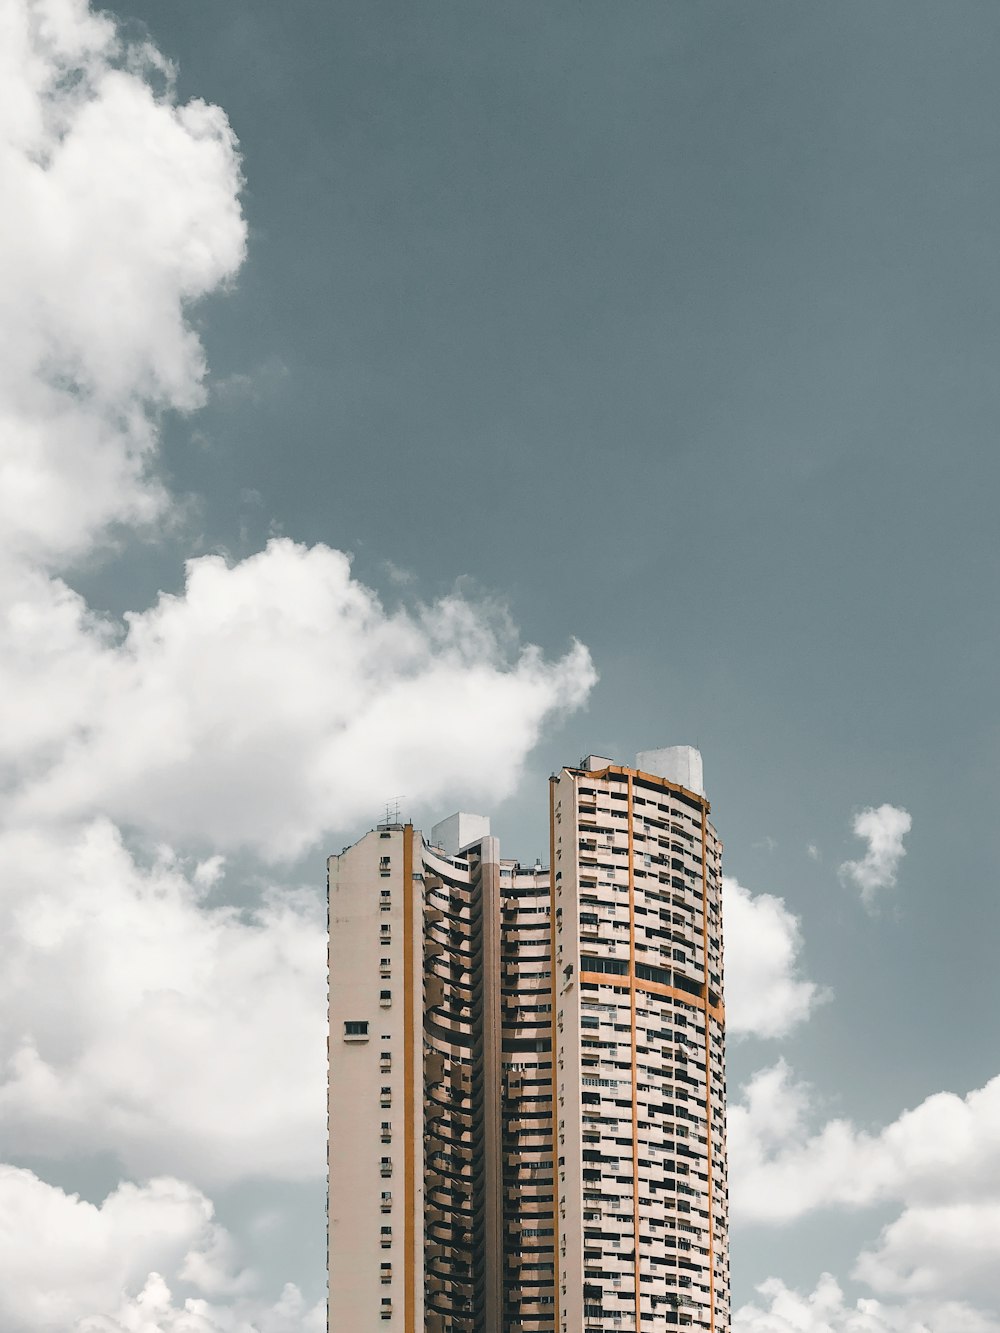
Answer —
(708, 1070)
(411, 1074)
(635, 1058)
(557, 1308)
(491, 1142)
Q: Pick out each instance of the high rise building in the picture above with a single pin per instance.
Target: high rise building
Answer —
(527, 1068)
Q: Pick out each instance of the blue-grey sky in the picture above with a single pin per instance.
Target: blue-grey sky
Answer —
(672, 327)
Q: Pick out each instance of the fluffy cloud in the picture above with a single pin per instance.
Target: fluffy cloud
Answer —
(272, 702)
(765, 995)
(127, 212)
(940, 1162)
(944, 1151)
(934, 1249)
(154, 1310)
(62, 1258)
(827, 1310)
(136, 1019)
(883, 829)
(66, 1264)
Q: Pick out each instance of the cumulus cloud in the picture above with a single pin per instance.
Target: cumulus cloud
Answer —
(932, 1249)
(67, 1264)
(128, 212)
(63, 1258)
(273, 701)
(154, 1310)
(137, 1020)
(765, 994)
(827, 1310)
(883, 829)
(940, 1162)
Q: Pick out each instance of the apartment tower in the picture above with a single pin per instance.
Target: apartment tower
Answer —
(527, 1068)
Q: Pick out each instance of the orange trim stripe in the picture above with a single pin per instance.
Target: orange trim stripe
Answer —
(717, 1011)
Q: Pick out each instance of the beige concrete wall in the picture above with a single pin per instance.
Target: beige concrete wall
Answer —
(357, 945)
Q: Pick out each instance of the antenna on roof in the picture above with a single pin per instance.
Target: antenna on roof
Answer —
(392, 810)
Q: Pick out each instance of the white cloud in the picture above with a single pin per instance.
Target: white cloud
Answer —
(154, 1310)
(127, 213)
(934, 1249)
(66, 1264)
(765, 996)
(62, 1258)
(941, 1155)
(136, 1020)
(940, 1162)
(273, 702)
(883, 829)
(812, 851)
(827, 1310)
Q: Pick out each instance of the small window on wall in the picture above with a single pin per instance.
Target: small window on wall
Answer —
(385, 998)
(356, 1029)
(385, 1237)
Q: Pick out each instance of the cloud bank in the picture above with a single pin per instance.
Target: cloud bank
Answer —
(271, 703)
(827, 1310)
(69, 1264)
(939, 1161)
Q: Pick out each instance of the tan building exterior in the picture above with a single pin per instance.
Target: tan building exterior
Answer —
(527, 1085)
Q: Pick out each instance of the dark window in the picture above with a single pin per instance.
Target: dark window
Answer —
(356, 1027)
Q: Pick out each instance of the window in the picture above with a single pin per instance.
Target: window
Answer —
(386, 1307)
(386, 1131)
(385, 1097)
(385, 1238)
(385, 967)
(386, 1272)
(386, 1166)
(386, 1201)
(356, 1028)
(385, 998)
